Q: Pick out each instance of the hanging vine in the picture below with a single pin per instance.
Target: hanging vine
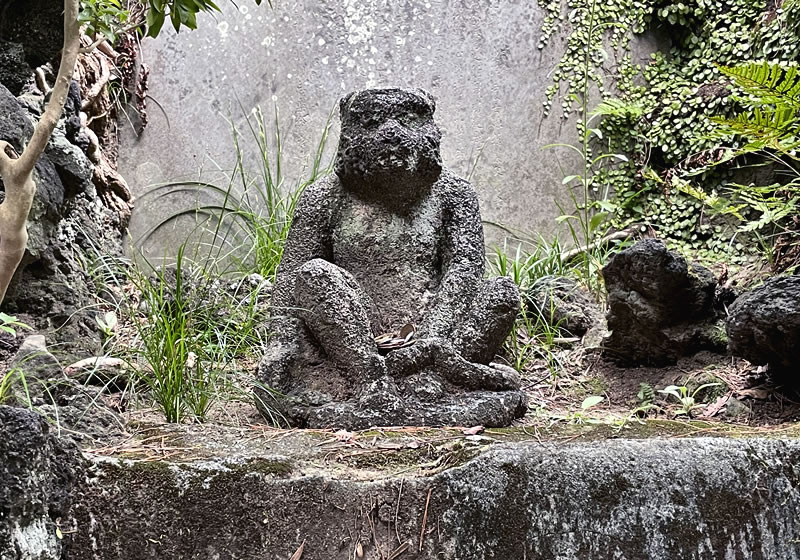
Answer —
(658, 113)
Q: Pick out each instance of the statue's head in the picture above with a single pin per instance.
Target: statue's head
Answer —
(389, 144)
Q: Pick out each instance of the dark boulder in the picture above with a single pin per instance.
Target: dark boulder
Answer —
(14, 70)
(69, 226)
(37, 25)
(764, 325)
(660, 306)
(38, 473)
(559, 301)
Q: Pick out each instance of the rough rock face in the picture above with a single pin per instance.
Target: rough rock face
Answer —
(37, 476)
(688, 499)
(660, 307)
(764, 325)
(37, 26)
(69, 225)
(559, 300)
(392, 239)
(79, 408)
(14, 70)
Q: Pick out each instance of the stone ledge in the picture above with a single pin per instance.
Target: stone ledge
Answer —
(701, 498)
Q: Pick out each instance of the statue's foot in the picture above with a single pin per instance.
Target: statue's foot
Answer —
(494, 377)
(381, 394)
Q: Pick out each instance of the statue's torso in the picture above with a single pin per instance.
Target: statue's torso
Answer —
(396, 258)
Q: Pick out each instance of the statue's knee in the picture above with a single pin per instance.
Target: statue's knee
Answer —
(501, 294)
(316, 275)
(318, 268)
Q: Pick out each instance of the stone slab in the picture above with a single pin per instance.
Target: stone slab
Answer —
(702, 498)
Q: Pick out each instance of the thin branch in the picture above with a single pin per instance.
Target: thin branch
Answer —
(567, 256)
(97, 87)
(46, 125)
(102, 40)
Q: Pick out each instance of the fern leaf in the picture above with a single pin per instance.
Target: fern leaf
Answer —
(614, 107)
(763, 128)
(770, 84)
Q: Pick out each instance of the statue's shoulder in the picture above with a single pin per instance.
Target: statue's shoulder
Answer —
(452, 186)
(322, 193)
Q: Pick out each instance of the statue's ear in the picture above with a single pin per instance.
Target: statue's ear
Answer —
(344, 102)
(428, 98)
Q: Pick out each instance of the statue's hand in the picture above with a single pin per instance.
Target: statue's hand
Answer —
(412, 359)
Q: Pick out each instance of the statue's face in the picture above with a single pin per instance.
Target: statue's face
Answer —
(389, 144)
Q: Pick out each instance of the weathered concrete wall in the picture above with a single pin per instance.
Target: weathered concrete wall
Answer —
(478, 58)
(691, 499)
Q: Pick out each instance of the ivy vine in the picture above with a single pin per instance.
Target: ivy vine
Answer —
(660, 115)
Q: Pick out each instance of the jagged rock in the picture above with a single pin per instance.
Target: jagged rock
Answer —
(34, 360)
(392, 241)
(38, 473)
(559, 301)
(67, 219)
(79, 408)
(74, 168)
(14, 70)
(37, 25)
(764, 326)
(660, 307)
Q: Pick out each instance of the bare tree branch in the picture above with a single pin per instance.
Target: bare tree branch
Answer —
(17, 174)
(46, 125)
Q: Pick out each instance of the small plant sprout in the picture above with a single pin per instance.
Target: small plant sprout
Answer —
(9, 380)
(107, 324)
(9, 324)
(687, 401)
(589, 402)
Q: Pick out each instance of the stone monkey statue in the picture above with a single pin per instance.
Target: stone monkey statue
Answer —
(390, 239)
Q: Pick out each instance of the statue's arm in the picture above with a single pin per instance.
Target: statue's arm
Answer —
(463, 261)
(309, 238)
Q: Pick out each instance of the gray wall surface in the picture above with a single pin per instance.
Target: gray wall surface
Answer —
(479, 59)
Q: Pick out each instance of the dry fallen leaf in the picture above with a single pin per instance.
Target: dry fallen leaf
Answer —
(407, 332)
(714, 408)
(344, 435)
(474, 430)
(359, 550)
(299, 552)
(759, 394)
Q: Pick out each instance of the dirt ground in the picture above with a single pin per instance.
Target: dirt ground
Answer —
(741, 394)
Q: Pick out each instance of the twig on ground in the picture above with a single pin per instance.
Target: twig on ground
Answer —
(424, 519)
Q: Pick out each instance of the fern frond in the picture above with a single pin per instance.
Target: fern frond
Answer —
(763, 128)
(770, 84)
(614, 107)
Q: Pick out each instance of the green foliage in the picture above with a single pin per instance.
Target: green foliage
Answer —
(252, 211)
(591, 23)
(111, 18)
(191, 331)
(769, 127)
(580, 417)
(103, 17)
(533, 337)
(646, 394)
(531, 260)
(9, 381)
(9, 324)
(687, 401)
(659, 119)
